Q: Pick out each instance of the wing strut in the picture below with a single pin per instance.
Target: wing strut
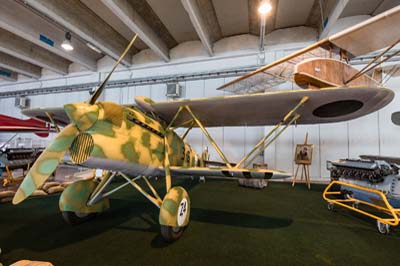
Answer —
(368, 67)
(155, 198)
(262, 145)
(203, 129)
(50, 116)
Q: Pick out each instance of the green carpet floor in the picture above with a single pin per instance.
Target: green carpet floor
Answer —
(230, 225)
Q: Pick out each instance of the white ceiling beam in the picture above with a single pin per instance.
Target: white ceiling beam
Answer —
(333, 17)
(79, 19)
(8, 75)
(20, 66)
(42, 32)
(127, 14)
(24, 50)
(195, 16)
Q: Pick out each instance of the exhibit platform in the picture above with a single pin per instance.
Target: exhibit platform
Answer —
(230, 225)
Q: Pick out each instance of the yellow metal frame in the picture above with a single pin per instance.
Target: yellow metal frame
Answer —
(203, 129)
(387, 208)
(51, 118)
(263, 144)
(10, 179)
(155, 198)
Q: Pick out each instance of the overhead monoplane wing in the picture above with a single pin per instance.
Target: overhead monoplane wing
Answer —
(323, 106)
(12, 124)
(373, 34)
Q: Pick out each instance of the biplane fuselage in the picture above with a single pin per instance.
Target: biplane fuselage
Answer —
(125, 139)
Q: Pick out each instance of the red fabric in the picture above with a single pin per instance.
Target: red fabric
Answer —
(12, 124)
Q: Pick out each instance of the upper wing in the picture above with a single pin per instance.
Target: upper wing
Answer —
(58, 114)
(323, 106)
(371, 35)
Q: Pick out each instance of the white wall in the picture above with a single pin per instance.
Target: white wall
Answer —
(373, 134)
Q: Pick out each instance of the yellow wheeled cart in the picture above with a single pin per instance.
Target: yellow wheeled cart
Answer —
(362, 200)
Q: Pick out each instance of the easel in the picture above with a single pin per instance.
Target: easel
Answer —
(305, 169)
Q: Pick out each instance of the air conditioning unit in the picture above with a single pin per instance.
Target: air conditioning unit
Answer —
(22, 102)
(174, 90)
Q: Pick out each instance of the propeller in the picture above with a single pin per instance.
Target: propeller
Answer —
(82, 117)
(46, 163)
(100, 89)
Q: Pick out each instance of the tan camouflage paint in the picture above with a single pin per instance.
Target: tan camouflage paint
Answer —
(75, 196)
(169, 208)
(119, 133)
(135, 138)
(46, 163)
(82, 114)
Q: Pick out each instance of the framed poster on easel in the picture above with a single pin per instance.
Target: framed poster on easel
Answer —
(303, 156)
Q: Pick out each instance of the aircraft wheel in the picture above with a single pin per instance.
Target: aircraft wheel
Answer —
(174, 214)
(73, 202)
(331, 206)
(74, 218)
(383, 228)
(170, 233)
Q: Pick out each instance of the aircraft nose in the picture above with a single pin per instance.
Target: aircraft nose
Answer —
(83, 115)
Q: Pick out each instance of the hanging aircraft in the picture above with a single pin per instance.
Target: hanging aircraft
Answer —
(139, 141)
(12, 124)
(20, 158)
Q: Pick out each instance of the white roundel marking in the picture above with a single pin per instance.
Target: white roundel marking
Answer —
(182, 211)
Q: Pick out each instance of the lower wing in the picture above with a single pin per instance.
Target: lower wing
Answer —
(229, 172)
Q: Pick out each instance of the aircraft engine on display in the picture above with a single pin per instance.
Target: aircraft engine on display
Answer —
(372, 174)
(18, 158)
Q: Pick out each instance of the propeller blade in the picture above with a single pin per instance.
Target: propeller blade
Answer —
(100, 89)
(46, 163)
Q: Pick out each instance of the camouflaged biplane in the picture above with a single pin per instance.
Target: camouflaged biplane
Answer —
(139, 141)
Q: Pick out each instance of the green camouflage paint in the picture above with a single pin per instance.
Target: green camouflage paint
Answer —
(169, 209)
(75, 196)
(46, 163)
(119, 133)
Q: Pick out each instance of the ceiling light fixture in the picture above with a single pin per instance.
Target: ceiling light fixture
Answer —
(67, 44)
(264, 8)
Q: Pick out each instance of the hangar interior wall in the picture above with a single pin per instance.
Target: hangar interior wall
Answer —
(372, 134)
